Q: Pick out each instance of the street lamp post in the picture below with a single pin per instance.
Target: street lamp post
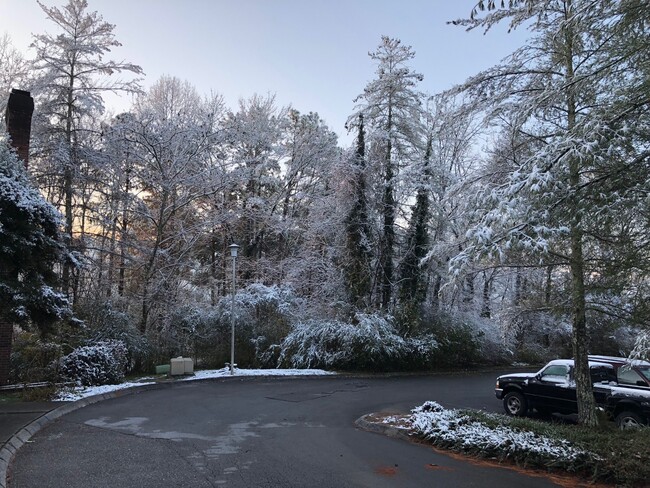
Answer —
(233, 253)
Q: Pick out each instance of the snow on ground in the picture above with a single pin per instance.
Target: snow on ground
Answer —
(451, 427)
(78, 393)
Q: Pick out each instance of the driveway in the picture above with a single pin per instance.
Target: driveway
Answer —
(258, 433)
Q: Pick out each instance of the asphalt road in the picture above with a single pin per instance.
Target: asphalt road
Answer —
(258, 433)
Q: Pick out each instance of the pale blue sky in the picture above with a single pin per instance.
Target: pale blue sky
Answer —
(312, 54)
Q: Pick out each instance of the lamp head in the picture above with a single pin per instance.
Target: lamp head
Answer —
(233, 250)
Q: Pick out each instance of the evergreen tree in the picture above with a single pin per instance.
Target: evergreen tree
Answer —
(574, 95)
(413, 279)
(30, 247)
(390, 105)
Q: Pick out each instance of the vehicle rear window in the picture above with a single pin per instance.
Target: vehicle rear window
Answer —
(645, 371)
(628, 376)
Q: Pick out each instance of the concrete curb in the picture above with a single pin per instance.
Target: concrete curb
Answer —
(366, 423)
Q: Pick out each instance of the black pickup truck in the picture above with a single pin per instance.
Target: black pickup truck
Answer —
(552, 390)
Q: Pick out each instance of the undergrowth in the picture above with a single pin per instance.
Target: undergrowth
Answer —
(610, 455)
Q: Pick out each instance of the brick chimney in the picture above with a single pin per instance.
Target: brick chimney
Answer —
(19, 126)
(19, 122)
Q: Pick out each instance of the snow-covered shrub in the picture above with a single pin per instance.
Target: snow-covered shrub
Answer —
(452, 429)
(610, 336)
(107, 321)
(103, 363)
(199, 331)
(263, 317)
(534, 336)
(372, 343)
(487, 338)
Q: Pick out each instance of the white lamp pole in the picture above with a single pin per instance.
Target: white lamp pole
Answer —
(233, 253)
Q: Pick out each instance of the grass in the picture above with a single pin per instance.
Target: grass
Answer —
(40, 394)
(12, 397)
(621, 455)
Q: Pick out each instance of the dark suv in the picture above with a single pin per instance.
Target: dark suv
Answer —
(628, 371)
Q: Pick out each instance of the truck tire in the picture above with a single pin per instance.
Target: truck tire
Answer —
(629, 420)
(515, 404)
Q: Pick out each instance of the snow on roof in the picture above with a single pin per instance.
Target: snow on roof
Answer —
(561, 362)
(621, 360)
(569, 363)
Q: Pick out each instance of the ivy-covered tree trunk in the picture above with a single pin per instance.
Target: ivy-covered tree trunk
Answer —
(357, 266)
(413, 280)
(388, 240)
(392, 109)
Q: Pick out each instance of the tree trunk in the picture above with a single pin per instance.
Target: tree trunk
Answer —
(584, 392)
(388, 242)
(586, 402)
(485, 308)
(67, 180)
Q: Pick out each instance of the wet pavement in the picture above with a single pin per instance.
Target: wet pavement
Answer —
(262, 432)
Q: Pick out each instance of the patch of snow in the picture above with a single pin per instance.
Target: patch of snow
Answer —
(82, 392)
(451, 426)
(225, 372)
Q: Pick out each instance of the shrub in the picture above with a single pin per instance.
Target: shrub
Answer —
(372, 343)
(103, 363)
(33, 359)
(106, 321)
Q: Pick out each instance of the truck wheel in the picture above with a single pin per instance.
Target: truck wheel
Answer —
(515, 404)
(629, 420)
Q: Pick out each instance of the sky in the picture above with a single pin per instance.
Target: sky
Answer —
(311, 54)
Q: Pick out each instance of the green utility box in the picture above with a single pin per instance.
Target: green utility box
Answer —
(163, 369)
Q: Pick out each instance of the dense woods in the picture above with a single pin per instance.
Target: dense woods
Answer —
(507, 218)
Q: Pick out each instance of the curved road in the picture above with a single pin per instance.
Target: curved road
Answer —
(265, 432)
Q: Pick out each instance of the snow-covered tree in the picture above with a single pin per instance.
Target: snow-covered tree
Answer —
(72, 74)
(357, 260)
(171, 135)
(13, 72)
(253, 135)
(30, 247)
(391, 107)
(573, 93)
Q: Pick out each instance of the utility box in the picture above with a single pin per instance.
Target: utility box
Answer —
(162, 369)
(181, 366)
(177, 366)
(188, 366)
